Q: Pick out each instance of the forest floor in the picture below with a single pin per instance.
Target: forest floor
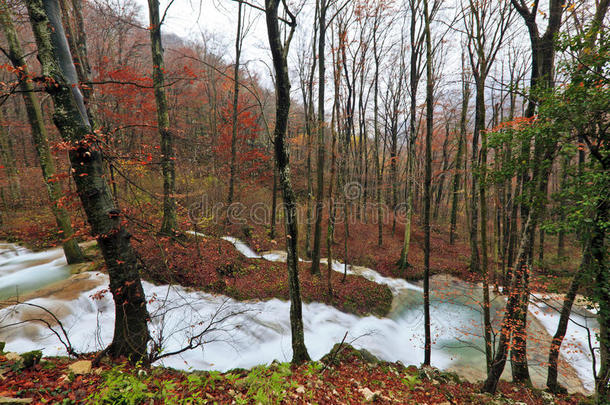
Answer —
(552, 275)
(344, 376)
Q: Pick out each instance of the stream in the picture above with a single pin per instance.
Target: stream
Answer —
(257, 332)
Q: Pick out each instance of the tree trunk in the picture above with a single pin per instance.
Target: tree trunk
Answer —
(414, 76)
(169, 224)
(562, 327)
(315, 254)
(459, 156)
(378, 175)
(131, 316)
(279, 53)
(479, 130)
(506, 328)
(428, 183)
(7, 158)
(234, 122)
(273, 204)
(71, 249)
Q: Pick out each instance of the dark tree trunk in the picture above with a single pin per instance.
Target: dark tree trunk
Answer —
(131, 316)
(428, 184)
(506, 328)
(70, 246)
(562, 327)
(279, 53)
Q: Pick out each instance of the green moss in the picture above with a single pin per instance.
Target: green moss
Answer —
(32, 358)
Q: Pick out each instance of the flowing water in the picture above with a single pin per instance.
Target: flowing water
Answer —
(22, 271)
(256, 332)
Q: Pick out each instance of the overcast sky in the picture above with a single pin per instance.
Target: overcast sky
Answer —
(217, 21)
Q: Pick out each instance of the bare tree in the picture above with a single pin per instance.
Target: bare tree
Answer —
(279, 52)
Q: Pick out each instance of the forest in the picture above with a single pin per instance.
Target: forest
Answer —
(305, 201)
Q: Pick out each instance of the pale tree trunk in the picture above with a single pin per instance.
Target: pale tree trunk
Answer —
(307, 91)
(169, 224)
(378, 175)
(441, 180)
(279, 53)
(71, 249)
(7, 158)
(317, 236)
(273, 204)
(414, 76)
(459, 156)
(234, 122)
(131, 316)
(428, 184)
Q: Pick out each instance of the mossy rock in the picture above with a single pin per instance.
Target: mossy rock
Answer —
(432, 373)
(30, 359)
(341, 352)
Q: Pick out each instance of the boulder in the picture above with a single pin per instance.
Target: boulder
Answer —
(80, 367)
(369, 396)
(12, 356)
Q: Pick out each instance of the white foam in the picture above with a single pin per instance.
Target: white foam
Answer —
(22, 270)
(260, 331)
(575, 346)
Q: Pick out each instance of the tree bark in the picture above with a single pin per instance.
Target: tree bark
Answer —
(169, 224)
(131, 316)
(70, 246)
(279, 53)
(562, 327)
(235, 112)
(315, 254)
(459, 157)
(7, 157)
(428, 183)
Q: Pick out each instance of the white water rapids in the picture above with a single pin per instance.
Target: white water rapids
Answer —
(257, 332)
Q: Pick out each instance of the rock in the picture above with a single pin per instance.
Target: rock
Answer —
(547, 398)
(368, 395)
(10, 400)
(81, 267)
(342, 351)
(368, 356)
(12, 356)
(32, 358)
(80, 367)
(98, 371)
(300, 389)
(64, 378)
